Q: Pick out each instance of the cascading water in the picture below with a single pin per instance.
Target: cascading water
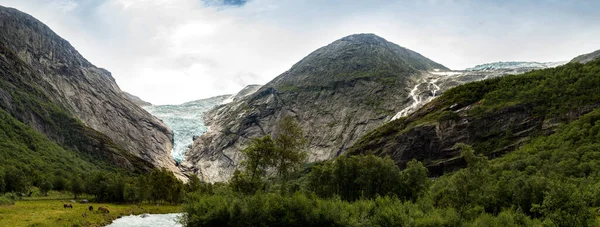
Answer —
(424, 91)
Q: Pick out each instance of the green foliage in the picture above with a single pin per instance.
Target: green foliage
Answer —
(289, 143)
(164, 186)
(259, 157)
(2, 182)
(76, 186)
(45, 186)
(15, 180)
(6, 200)
(565, 205)
(284, 154)
(274, 209)
(247, 184)
(355, 177)
(158, 186)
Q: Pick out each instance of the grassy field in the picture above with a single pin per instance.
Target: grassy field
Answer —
(49, 211)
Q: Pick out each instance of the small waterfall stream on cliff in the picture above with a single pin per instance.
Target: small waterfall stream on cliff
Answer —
(424, 91)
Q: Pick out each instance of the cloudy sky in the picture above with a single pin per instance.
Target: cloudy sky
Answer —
(172, 51)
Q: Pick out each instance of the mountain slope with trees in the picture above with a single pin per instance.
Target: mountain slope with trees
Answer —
(494, 116)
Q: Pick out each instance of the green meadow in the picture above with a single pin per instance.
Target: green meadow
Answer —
(49, 211)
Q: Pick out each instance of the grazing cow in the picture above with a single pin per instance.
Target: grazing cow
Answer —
(91, 208)
(68, 205)
(103, 210)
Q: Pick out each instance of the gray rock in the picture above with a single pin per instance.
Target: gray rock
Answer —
(137, 100)
(585, 58)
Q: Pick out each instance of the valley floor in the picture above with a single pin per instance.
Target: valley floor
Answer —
(42, 211)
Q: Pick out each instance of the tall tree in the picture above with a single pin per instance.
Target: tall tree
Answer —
(76, 186)
(259, 156)
(290, 144)
(45, 186)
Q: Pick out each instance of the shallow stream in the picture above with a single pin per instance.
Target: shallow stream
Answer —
(148, 220)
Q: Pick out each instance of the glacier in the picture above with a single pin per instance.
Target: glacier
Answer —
(515, 65)
(186, 120)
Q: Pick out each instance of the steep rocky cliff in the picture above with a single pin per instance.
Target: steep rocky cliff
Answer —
(337, 93)
(43, 66)
(495, 116)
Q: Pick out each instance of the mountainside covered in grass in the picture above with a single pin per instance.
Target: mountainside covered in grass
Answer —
(495, 116)
(337, 93)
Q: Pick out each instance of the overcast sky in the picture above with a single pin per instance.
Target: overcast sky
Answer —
(172, 51)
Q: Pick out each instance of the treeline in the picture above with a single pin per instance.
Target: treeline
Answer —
(158, 186)
(553, 181)
(29, 160)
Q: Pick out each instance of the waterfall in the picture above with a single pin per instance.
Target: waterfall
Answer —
(430, 83)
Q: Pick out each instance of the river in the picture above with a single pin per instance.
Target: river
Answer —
(148, 220)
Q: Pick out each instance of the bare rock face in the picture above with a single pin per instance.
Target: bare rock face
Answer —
(585, 58)
(137, 100)
(337, 94)
(87, 92)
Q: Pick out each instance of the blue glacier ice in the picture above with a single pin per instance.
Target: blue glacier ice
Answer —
(515, 65)
(186, 120)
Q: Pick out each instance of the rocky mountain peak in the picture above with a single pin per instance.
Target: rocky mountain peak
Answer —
(364, 38)
(351, 58)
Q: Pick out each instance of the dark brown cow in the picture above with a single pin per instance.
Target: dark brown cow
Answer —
(68, 205)
(91, 208)
(103, 210)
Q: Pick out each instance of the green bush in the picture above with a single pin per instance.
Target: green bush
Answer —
(6, 200)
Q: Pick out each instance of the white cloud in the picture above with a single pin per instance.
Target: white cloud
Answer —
(169, 51)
